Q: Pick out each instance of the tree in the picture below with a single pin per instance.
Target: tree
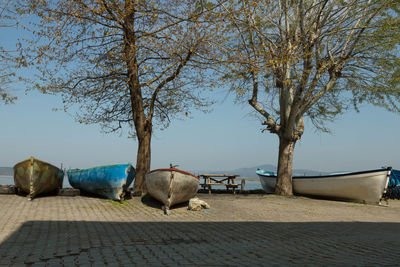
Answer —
(313, 59)
(122, 62)
(7, 63)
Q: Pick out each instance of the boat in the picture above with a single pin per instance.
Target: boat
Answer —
(364, 186)
(111, 181)
(35, 177)
(393, 190)
(171, 186)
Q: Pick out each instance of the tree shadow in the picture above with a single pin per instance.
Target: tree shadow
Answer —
(202, 243)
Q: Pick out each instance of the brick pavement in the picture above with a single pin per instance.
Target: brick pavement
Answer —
(239, 230)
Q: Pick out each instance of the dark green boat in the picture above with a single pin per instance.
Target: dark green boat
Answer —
(36, 177)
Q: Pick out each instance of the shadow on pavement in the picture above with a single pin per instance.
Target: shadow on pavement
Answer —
(201, 243)
(154, 203)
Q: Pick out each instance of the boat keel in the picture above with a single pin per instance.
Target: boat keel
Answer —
(166, 210)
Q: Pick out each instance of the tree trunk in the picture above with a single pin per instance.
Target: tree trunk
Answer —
(143, 125)
(285, 164)
(143, 161)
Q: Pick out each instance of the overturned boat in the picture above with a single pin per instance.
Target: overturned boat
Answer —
(365, 186)
(171, 186)
(35, 177)
(110, 181)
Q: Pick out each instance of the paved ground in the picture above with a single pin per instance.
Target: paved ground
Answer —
(247, 230)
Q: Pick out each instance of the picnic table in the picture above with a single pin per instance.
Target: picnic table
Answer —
(227, 180)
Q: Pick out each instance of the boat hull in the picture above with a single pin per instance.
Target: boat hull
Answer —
(267, 183)
(107, 181)
(171, 186)
(393, 190)
(365, 186)
(36, 177)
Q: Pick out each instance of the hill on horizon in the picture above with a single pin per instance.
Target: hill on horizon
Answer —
(251, 172)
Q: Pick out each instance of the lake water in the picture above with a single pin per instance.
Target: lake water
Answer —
(4, 179)
(250, 184)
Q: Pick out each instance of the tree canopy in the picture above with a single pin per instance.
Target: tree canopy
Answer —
(8, 61)
(122, 62)
(311, 58)
(80, 51)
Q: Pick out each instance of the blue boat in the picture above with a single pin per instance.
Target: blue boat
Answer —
(110, 181)
(393, 190)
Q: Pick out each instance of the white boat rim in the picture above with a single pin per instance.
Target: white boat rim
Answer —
(272, 174)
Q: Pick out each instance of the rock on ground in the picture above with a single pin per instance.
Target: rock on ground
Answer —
(196, 204)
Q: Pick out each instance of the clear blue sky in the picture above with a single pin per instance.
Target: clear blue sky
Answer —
(226, 139)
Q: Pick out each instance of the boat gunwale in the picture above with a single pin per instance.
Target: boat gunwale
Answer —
(99, 167)
(35, 159)
(177, 170)
(331, 175)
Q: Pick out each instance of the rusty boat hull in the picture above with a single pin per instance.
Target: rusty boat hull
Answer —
(110, 181)
(35, 177)
(171, 186)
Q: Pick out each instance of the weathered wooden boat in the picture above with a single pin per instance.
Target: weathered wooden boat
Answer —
(171, 186)
(110, 181)
(36, 177)
(365, 186)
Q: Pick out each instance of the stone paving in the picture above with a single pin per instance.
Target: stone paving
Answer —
(241, 230)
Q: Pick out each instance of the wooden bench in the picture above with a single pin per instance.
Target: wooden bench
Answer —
(228, 186)
(227, 180)
(232, 186)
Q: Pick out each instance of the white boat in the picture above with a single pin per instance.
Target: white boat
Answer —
(171, 186)
(365, 186)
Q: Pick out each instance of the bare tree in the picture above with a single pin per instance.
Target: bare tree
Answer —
(8, 62)
(310, 58)
(122, 62)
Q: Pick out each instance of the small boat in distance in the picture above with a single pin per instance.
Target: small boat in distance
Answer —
(171, 186)
(365, 186)
(35, 177)
(111, 181)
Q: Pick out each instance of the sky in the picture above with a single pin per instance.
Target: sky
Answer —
(225, 139)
